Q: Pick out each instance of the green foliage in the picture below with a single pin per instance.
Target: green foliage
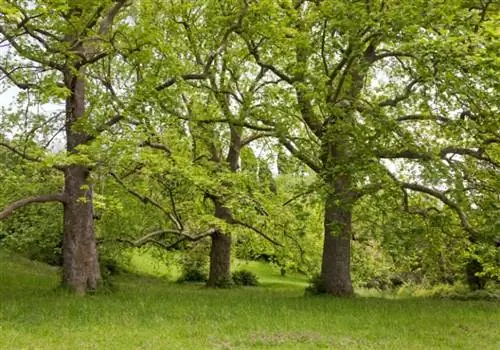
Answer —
(446, 291)
(245, 278)
(193, 274)
(194, 265)
(316, 285)
(391, 103)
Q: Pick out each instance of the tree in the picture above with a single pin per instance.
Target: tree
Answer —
(380, 95)
(209, 101)
(51, 45)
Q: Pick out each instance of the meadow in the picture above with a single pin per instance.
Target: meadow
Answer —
(145, 312)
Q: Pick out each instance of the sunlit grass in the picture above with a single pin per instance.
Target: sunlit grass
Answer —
(151, 313)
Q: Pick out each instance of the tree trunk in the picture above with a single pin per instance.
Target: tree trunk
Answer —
(81, 271)
(220, 252)
(220, 260)
(336, 264)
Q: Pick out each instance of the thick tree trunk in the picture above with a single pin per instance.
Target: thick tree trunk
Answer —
(80, 260)
(81, 271)
(220, 260)
(220, 252)
(336, 264)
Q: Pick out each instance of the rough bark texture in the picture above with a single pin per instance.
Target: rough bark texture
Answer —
(81, 271)
(220, 250)
(220, 260)
(336, 264)
(80, 260)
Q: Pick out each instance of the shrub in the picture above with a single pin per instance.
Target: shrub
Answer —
(245, 278)
(316, 285)
(193, 274)
(194, 265)
(446, 291)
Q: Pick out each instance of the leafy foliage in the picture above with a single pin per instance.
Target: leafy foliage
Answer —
(245, 278)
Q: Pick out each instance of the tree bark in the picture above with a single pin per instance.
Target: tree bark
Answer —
(336, 264)
(339, 202)
(81, 271)
(220, 252)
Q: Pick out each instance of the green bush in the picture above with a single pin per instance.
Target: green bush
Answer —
(447, 291)
(194, 264)
(34, 232)
(193, 274)
(316, 285)
(245, 278)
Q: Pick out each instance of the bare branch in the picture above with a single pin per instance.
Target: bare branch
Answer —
(253, 48)
(26, 54)
(385, 54)
(297, 196)
(36, 199)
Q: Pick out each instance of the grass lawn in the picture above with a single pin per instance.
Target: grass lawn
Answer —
(151, 313)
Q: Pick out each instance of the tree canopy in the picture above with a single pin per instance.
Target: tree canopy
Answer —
(281, 124)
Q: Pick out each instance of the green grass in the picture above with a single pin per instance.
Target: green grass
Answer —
(151, 313)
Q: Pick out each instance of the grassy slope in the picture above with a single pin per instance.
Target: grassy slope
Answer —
(148, 313)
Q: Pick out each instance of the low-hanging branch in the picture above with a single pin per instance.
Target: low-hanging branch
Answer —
(464, 221)
(416, 211)
(58, 197)
(149, 238)
(27, 157)
(256, 230)
(147, 200)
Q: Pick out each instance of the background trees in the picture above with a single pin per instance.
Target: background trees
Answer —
(388, 110)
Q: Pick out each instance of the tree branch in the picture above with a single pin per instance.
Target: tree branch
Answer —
(110, 16)
(147, 200)
(442, 197)
(22, 86)
(36, 199)
(392, 102)
(255, 136)
(256, 230)
(293, 150)
(417, 117)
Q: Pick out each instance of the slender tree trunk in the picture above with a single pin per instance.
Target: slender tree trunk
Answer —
(220, 252)
(81, 271)
(336, 264)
